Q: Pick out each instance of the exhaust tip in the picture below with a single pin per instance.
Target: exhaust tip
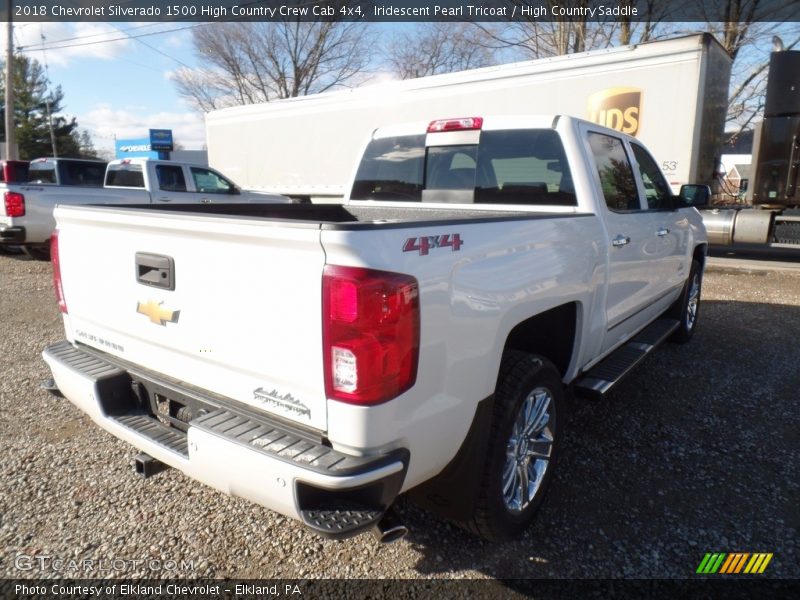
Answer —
(395, 534)
(389, 529)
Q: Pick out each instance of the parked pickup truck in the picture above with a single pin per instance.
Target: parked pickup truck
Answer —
(78, 172)
(320, 360)
(29, 221)
(11, 171)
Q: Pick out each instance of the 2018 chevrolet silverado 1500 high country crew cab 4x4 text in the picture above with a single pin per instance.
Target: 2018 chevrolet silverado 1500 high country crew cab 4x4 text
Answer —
(323, 359)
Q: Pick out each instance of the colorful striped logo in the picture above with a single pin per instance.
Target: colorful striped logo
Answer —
(736, 562)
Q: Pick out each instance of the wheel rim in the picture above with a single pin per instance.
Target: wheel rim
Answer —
(692, 302)
(529, 450)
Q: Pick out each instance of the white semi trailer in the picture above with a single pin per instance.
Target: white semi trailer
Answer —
(670, 94)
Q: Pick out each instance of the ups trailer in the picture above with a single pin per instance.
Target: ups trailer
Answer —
(671, 94)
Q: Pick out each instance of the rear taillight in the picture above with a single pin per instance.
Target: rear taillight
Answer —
(370, 334)
(15, 204)
(62, 303)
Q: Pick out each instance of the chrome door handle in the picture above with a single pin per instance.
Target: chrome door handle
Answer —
(620, 240)
(165, 199)
(662, 232)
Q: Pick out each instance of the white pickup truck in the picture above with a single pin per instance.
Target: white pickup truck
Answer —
(11, 172)
(320, 360)
(29, 221)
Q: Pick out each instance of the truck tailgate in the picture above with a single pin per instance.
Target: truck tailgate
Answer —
(243, 319)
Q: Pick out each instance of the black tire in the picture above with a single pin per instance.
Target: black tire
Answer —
(687, 307)
(526, 379)
(10, 249)
(38, 252)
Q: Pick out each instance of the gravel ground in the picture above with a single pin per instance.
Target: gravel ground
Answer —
(696, 452)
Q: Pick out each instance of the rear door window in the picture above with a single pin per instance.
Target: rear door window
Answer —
(170, 178)
(615, 172)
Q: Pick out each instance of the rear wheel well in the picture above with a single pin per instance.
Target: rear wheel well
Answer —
(455, 491)
(700, 254)
(550, 334)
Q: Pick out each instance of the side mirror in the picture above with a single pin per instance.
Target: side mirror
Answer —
(695, 195)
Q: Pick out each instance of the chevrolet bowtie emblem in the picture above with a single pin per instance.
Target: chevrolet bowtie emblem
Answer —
(157, 313)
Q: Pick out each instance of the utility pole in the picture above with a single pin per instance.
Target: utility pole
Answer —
(11, 137)
(50, 123)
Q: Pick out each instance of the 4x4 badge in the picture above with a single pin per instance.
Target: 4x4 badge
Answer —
(157, 313)
(426, 243)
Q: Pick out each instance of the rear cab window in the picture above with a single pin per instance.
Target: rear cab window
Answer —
(519, 166)
(42, 172)
(125, 175)
(391, 169)
(83, 174)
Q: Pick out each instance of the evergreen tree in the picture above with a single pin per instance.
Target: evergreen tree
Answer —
(33, 102)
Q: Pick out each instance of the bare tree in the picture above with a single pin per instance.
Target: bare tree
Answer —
(749, 81)
(647, 25)
(745, 29)
(540, 32)
(436, 47)
(244, 63)
(739, 23)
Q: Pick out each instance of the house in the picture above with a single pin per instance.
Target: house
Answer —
(737, 179)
